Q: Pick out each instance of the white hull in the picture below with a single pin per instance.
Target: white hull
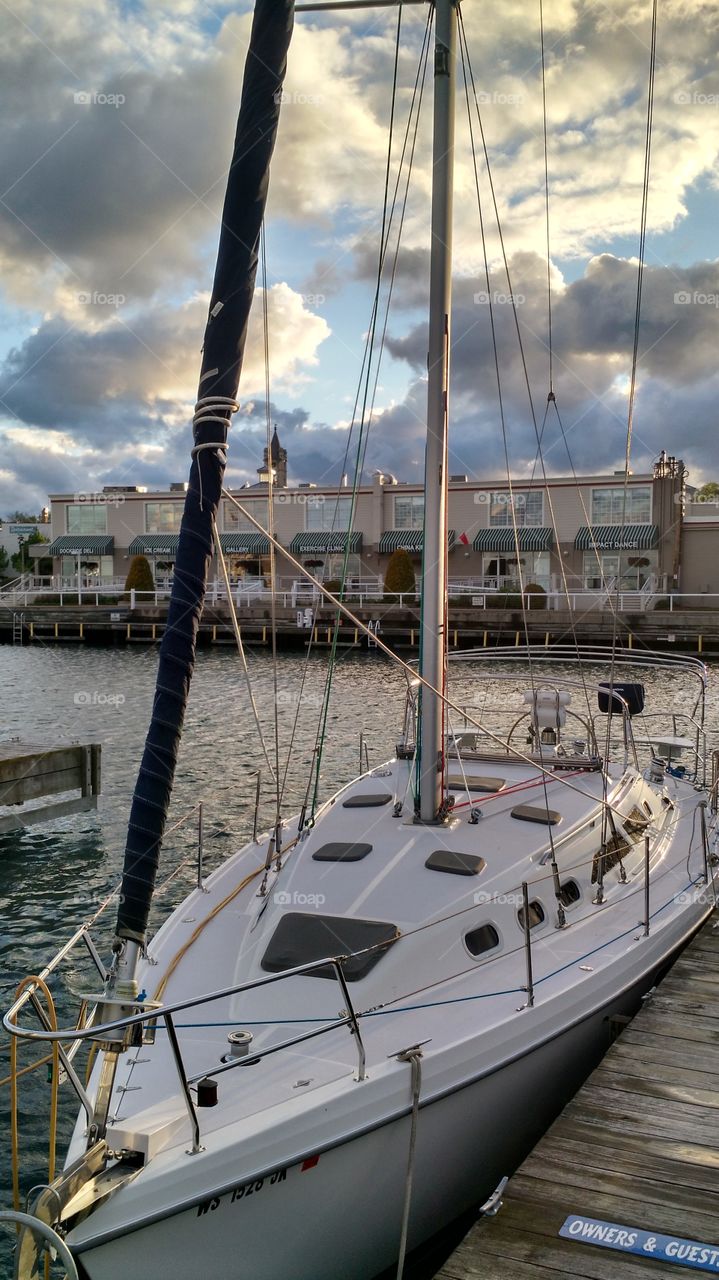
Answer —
(342, 1217)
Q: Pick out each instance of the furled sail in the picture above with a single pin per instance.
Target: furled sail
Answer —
(224, 345)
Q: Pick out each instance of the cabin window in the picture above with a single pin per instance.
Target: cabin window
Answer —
(301, 937)
(484, 938)
(536, 914)
(635, 824)
(569, 893)
(616, 848)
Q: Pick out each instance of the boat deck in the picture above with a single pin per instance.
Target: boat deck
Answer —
(638, 1146)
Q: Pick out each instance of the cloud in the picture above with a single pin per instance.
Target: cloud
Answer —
(119, 121)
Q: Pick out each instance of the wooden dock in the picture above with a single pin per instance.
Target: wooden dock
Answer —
(31, 772)
(638, 1146)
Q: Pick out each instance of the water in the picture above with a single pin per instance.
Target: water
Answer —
(53, 877)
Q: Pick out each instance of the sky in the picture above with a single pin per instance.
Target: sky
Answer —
(117, 126)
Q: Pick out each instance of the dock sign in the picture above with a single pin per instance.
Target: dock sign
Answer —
(647, 1244)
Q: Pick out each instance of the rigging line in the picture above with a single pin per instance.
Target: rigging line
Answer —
(465, 54)
(640, 277)
(240, 646)
(546, 196)
(271, 530)
(397, 660)
(500, 396)
(365, 418)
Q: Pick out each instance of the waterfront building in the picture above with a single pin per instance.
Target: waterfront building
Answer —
(587, 532)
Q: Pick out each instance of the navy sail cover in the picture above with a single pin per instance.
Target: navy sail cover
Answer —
(223, 351)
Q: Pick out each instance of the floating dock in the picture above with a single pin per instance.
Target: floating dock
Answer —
(31, 772)
(632, 1161)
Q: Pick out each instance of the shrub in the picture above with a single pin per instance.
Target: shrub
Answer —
(399, 576)
(661, 604)
(506, 598)
(139, 576)
(537, 596)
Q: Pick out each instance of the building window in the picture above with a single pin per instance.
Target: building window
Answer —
(326, 515)
(163, 517)
(92, 569)
(87, 517)
(528, 506)
(620, 571)
(608, 505)
(331, 567)
(236, 522)
(409, 511)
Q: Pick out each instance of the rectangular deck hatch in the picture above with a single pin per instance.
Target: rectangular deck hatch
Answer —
(339, 851)
(455, 864)
(301, 938)
(457, 783)
(533, 813)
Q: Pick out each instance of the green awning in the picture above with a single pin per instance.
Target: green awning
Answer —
(408, 540)
(82, 544)
(154, 544)
(329, 543)
(245, 544)
(617, 537)
(503, 540)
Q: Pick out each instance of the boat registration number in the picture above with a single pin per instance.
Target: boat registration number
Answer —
(242, 1192)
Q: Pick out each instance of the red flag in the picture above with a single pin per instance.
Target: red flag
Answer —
(464, 539)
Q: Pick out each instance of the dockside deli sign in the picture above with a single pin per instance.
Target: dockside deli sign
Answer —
(647, 1244)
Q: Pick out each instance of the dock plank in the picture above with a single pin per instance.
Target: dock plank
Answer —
(638, 1145)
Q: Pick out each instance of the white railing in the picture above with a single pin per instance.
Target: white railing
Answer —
(478, 594)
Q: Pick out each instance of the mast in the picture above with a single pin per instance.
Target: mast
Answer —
(223, 352)
(434, 562)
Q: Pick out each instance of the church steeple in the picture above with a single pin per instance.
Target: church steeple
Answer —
(278, 460)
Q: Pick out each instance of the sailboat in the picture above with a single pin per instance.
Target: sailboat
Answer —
(350, 1032)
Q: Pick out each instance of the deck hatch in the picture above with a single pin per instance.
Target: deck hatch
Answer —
(455, 864)
(301, 938)
(533, 813)
(339, 851)
(367, 800)
(457, 783)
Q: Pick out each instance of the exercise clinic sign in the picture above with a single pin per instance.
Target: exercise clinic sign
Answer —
(647, 1244)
